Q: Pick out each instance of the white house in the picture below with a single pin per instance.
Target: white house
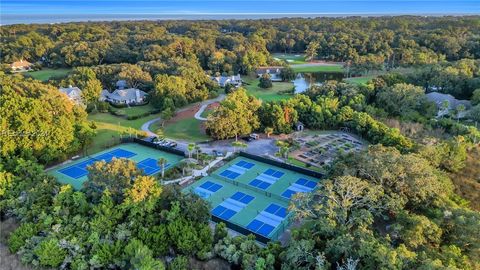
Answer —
(222, 81)
(452, 103)
(273, 71)
(73, 93)
(21, 66)
(124, 96)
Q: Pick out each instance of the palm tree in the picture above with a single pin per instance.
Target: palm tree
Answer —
(161, 162)
(236, 144)
(268, 131)
(190, 148)
(460, 108)
(283, 148)
(444, 107)
(197, 150)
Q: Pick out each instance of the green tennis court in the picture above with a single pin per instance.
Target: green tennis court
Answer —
(253, 195)
(76, 173)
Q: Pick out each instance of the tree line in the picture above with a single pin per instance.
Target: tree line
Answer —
(238, 46)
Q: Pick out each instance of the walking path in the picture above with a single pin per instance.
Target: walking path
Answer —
(146, 126)
(196, 173)
(198, 115)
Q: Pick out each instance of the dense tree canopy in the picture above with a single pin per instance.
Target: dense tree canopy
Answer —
(240, 46)
(236, 115)
(392, 206)
(38, 121)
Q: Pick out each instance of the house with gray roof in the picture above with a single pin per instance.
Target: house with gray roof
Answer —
(73, 93)
(273, 71)
(234, 80)
(124, 96)
(446, 103)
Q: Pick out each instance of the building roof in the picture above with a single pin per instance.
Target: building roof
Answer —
(439, 98)
(71, 91)
(221, 80)
(271, 69)
(20, 64)
(124, 94)
(121, 84)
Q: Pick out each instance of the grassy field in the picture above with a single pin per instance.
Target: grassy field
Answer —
(318, 68)
(188, 129)
(359, 80)
(47, 73)
(110, 127)
(108, 118)
(290, 58)
(135, 110)
(301, 164)
(206, 113)
(271, 94)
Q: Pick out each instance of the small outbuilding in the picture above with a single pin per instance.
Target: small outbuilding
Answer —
(273, 71)
(21, 66)
(299, 126)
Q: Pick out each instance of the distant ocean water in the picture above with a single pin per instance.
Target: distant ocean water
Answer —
(19, 11)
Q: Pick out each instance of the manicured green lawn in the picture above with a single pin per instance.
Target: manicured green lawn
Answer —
(189, 129)
(108, 118)
(105, 138)
(291, 58)
(135, 110)
(301, 164)
(270, 94)
(47, 73)
(359, 80)
(206, 113)
(110, 127)
(318, 68)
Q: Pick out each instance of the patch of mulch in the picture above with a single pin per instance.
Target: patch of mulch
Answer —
(185, 114)
(213, 106)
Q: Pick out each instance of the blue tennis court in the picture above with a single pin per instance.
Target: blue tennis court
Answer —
(223, 212)
(74, 172)
(207, 189)
(230, 174)
(260, 227)
(251, 196)
(301, 185)
(267, 220)
(259, 184)
(150, 166)
(232, 205)
(213, 187)
(242, 197)
(274, 173)
(306, 183)
(276, 210)
(245, 164)
(79, 170)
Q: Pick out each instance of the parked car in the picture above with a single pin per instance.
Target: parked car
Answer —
(248, 139)
(217, 153)
(254, 136)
